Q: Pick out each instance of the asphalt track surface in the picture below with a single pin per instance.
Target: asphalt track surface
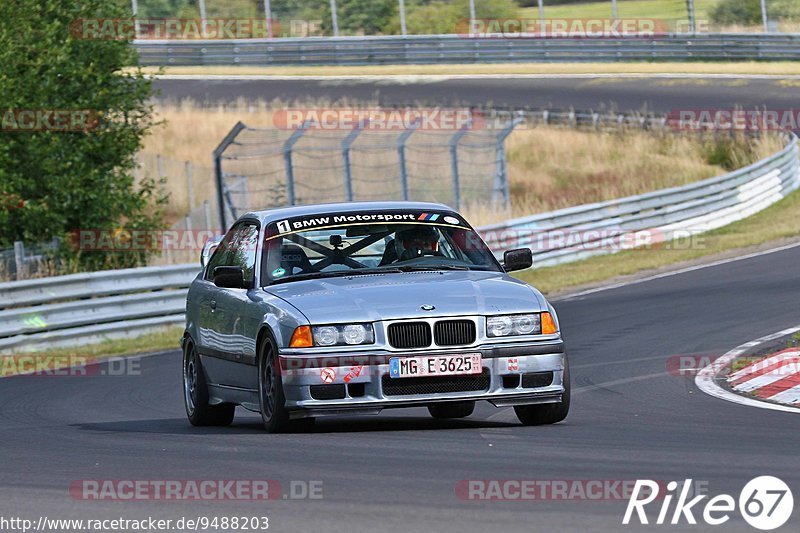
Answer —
(398, 471)
(660, 95)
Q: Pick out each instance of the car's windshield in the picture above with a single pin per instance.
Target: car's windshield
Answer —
(327, 245)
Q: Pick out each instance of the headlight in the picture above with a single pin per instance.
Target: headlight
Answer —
(326, 336)
(347, 334)
(509, 325)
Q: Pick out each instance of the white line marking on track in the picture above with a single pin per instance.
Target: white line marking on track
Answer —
(614, 383)
(706, 382)
(678, 272)
(622, 362)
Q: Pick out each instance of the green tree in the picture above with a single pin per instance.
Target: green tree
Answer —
(355, 17)
(234, 9)
(152, 9)
(72, 180)
(748, 12)
(736, 12)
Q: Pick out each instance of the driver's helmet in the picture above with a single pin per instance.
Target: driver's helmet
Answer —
(416, 242)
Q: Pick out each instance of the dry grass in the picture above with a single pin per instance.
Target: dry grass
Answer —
(554, 168)
(549, 167)
(158, 340)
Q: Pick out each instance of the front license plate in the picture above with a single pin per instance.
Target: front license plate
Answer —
(435, 365)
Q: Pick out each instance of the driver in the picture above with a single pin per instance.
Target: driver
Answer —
(416, 242)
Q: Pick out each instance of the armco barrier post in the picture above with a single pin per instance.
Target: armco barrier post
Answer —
(19, 259)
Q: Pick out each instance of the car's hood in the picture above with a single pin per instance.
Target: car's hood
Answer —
(395, 296)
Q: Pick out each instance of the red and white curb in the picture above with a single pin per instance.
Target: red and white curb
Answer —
(775, 378)
(706, 379)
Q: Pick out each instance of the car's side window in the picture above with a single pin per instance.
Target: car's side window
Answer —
(238, 248)
(245, 254)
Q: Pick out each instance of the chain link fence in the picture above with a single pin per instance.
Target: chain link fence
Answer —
(25, 261)
(261, 168)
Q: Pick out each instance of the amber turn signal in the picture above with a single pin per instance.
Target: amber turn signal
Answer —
(301, 338)
(548, 324)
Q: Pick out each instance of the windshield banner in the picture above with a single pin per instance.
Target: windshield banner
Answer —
(322, 221)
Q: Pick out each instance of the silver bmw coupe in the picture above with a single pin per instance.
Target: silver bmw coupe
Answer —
(302, 312)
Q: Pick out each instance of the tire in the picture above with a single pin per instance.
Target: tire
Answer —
(195, 393)
(272, 401)
(451, 410)
(548, 413)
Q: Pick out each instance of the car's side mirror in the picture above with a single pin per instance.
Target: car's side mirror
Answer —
(229, 277)
(514, 260)
(209, 248)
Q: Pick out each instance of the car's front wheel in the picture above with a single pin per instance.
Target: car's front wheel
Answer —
(451, 410)
(548, 413)
(270, 386)
(195, 393)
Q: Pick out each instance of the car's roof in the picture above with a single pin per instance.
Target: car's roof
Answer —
(279, 213)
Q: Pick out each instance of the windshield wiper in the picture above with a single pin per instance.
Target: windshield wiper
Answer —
(426, 268)
(338, 274)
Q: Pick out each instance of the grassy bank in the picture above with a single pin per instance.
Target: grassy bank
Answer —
(59, 358)
(657, 9)
(669, 11)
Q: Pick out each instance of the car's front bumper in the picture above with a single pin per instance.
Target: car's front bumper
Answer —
(357, 382)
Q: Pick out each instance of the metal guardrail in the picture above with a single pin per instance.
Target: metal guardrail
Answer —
(579, 232)
(17, 294)
(53, 312)
(81, 308)
(440, 49)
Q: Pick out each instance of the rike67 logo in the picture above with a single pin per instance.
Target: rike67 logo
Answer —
(766, 503)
